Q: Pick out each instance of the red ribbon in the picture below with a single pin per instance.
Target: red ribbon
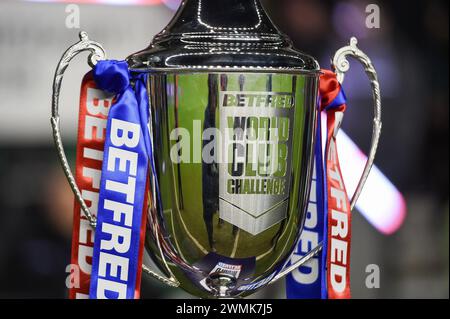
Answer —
(94, 108)
(339, 211)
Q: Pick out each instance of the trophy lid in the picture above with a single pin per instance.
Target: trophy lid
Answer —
(218, 34)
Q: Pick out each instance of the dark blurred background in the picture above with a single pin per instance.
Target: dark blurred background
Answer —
(410, 51)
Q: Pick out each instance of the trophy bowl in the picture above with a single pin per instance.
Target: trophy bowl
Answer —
(233, 170)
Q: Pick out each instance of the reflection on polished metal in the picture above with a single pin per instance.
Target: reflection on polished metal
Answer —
(222, 35)
(225, 228)
(215, 220)
(226, 232)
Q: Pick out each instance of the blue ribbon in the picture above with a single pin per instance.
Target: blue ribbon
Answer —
(123, 183)
(307, 282)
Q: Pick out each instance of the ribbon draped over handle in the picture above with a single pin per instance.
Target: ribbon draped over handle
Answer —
(118, 82)
(96, 53)
(332, 100)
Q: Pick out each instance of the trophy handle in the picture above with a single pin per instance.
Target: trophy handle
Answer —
(97, 53)
(341, 66)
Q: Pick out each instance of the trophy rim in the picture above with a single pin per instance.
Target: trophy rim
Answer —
(219, 70)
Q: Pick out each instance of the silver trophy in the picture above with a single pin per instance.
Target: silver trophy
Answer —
(233, 120)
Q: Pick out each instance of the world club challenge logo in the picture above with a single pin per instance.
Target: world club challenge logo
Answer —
(254, 178)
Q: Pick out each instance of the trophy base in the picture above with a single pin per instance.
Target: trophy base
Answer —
(221, 284)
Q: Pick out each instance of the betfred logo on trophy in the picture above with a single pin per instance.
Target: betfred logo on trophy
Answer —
(254, 180)
(209, 157)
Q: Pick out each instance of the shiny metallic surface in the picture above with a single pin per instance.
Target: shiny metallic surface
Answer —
(212, 34)
(204, 221)
(248, 239)
(233, 114)
(96, 53)
(341, 66)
